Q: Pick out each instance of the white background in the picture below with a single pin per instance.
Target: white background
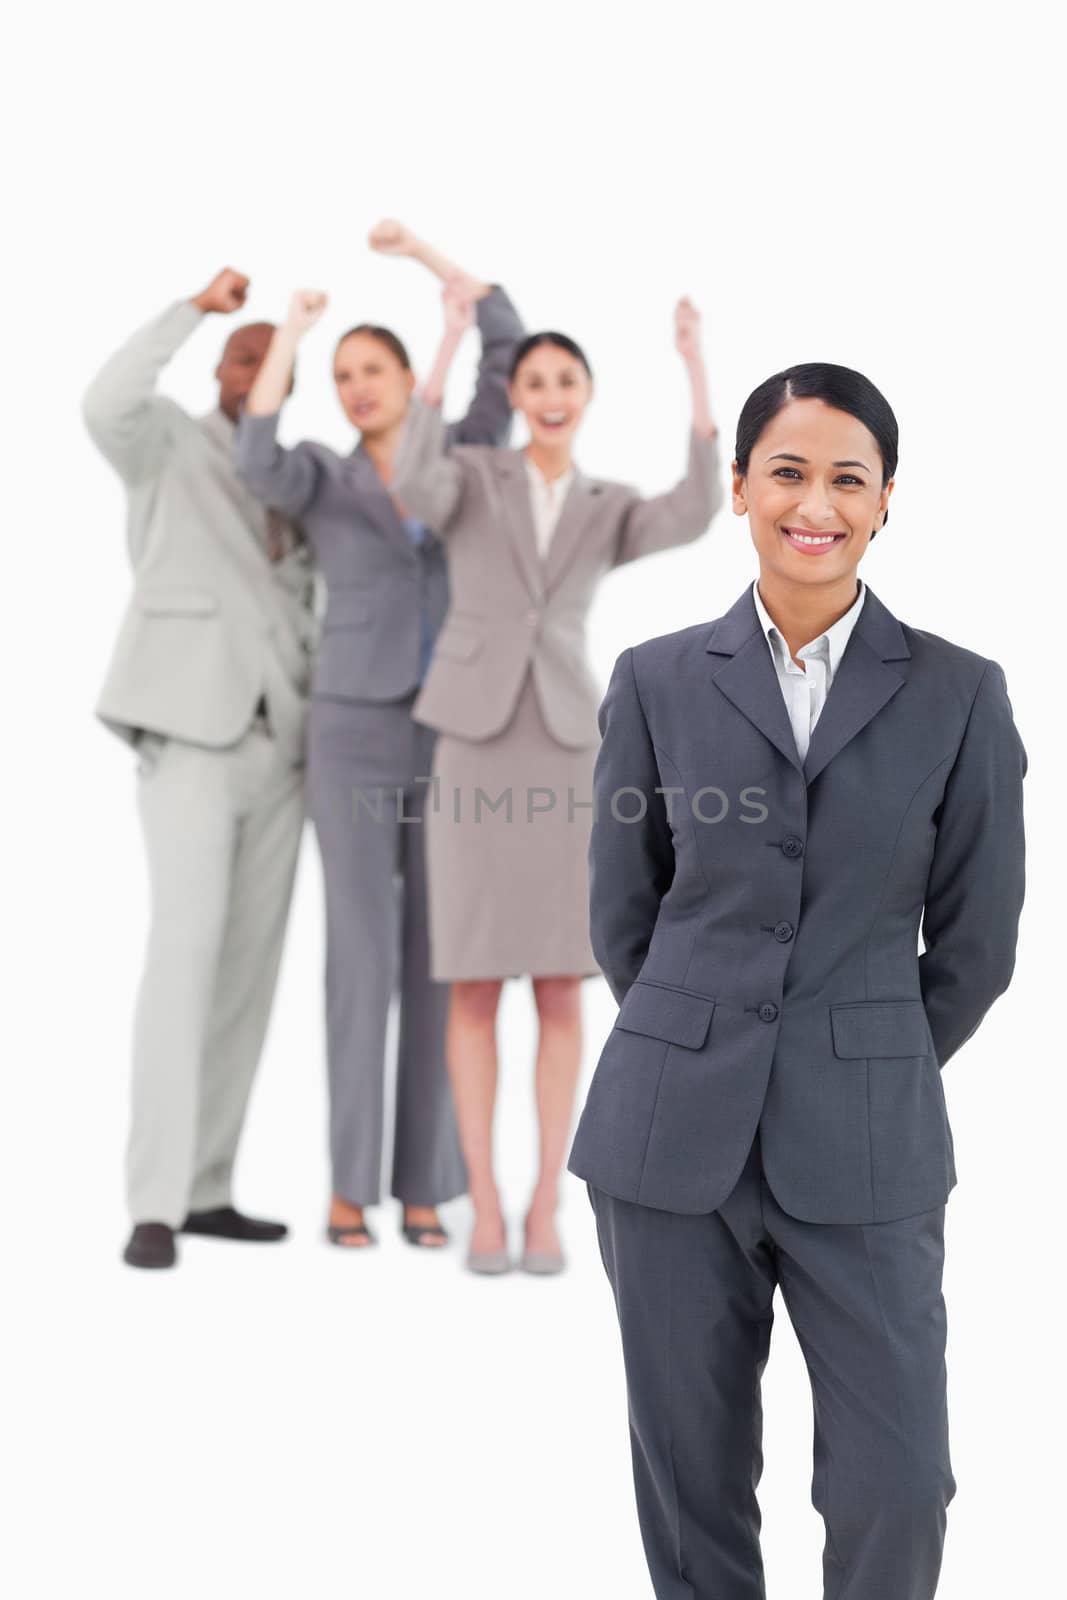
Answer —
(870, 185)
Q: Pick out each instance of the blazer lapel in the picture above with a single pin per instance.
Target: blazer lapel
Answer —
(376, 504)
(863, 684)
(747, 676)
(573, 518)
(515, 494)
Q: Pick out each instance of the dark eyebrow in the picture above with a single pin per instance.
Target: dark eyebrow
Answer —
(803, 460)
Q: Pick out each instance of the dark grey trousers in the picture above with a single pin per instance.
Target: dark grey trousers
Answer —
(363, 760)
(693, 1295)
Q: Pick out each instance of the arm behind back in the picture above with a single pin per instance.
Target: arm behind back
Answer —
(975, 889)
(631, 862)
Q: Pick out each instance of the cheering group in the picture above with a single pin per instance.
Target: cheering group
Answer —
(438, 723)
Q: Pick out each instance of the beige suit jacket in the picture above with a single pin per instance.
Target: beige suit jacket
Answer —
(213, 624)
(510, 610)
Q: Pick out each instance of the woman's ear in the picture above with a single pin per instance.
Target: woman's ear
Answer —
(883, 508)
(740, 498)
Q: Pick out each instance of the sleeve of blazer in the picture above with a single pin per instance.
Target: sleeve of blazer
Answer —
(631, 862)
(427, 481)
(286, 480)
(975, 890)
(488, 418)
(126, 419)
(679, 516)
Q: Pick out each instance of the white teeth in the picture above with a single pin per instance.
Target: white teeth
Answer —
(813, 538)
(557, 416)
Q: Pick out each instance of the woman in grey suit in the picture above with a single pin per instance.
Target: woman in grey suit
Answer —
(768, 1111)
(529, 537)
(368, 762)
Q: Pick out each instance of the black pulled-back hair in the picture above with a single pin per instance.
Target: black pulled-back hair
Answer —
(384, 336)
(561, 341)
(839, 387)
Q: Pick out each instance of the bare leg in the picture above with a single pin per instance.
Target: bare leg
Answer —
(559, 1059)
(470, 1045)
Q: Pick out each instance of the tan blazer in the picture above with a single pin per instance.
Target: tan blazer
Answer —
(509, 609)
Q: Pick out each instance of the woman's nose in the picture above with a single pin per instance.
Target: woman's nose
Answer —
(815, 504)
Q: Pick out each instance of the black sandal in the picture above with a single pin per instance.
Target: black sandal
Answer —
(416, 1233)
(338, 1232)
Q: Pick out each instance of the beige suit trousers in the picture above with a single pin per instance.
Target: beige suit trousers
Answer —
(222, 831)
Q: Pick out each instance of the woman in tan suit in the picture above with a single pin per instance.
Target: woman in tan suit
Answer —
(528, 538)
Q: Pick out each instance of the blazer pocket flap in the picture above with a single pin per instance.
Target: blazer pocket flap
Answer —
(880, 1028)
(457, 646)
(177, 600)
(663, 1013)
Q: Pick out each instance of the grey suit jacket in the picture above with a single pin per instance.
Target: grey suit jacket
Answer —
(213, 623)
(512, 611)
(766, 962)
(382, 590)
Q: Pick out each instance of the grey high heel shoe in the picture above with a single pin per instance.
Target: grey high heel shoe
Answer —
(490, 1263)
(543, 1263)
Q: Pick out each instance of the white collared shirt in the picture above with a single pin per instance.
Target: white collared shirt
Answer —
(546, 502)
(804, 689)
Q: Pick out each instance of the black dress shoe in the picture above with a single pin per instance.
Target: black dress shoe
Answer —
(226, 1223)
(151, 1244)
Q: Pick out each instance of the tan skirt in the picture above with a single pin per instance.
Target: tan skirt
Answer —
(507, 844)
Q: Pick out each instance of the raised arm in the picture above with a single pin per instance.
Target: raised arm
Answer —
(974, 893)
(683, 513)
(392, 238)
(631, 854)
(426, 482)
(487, 419)
(125, 418)
(288, 480)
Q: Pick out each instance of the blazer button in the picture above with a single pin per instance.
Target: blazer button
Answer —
(783, 932)
(768, 1011)
(792, 846)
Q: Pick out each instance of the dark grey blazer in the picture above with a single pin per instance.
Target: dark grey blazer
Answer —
(381, 588)
(765, 959)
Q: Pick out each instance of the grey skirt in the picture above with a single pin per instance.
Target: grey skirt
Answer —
(507, 839)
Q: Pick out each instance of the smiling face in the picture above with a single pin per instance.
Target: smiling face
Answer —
(373, 386)
(551, 389)
(812, 493)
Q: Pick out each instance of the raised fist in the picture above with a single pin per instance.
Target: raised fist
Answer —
(458, 302)
(226, 292)
(686, 327)
(391, 238)
(305, 309)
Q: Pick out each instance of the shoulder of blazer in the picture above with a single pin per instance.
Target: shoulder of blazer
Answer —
(945, 671)
(662, 654)
(332, 459)
(931, 648)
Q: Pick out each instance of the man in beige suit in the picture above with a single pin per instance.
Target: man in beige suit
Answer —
(208, 681)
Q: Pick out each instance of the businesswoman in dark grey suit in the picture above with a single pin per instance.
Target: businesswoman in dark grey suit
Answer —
(368, 762)
(529, 537)
(785, 797)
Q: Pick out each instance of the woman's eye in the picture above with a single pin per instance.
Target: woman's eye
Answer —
(847, 477)
(786, 472)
